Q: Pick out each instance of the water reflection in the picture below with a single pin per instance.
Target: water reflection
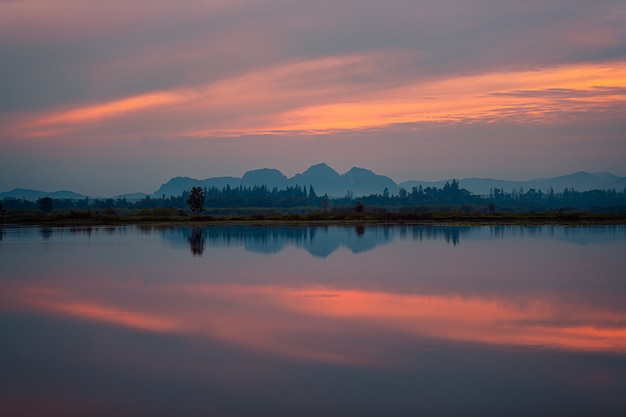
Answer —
(324, 241)
(196, 241)
(46, 232)
(425, 290)
(337, 320)
(318, 241)
(83, 230)
(505, 320)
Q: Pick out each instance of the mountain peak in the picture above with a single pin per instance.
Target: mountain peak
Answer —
(265, 176)
(321, 168)
(361, 181)
(264, 171)
(359, 171)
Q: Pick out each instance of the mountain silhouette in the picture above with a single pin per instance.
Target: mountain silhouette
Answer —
(265, 176)
(34, 195)
(363, 182)
(580, 181)
(176, 185)
(359, 181)
(321, 177)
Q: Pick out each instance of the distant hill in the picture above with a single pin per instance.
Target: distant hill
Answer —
(580, 181)
(321, 177)
(130, 197)
(363, 182)
(269, 177)
(34, 195)
(360, 181)
(177, 185)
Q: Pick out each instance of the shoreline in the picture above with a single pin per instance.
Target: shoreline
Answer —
(387, 219)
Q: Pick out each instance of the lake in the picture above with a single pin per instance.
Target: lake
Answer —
(313, 321)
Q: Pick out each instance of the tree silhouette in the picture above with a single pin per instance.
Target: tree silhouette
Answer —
(45, 204)
(325, 203)
(195, 201)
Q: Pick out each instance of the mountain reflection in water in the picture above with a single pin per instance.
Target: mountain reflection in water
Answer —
(314, 321)
(318, 241)
(323, 241)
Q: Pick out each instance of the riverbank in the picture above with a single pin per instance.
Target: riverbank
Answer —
(93, 219)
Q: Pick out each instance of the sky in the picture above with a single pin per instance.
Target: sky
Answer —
(105, 98)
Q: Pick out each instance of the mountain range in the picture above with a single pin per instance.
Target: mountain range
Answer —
(359, 181)
(321, 177)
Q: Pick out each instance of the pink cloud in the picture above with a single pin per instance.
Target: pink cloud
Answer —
(351, 82)
(320, 96)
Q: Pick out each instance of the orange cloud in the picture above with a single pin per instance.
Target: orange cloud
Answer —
(64, 120)
(321, 102)
(479, 97)
(334, 93)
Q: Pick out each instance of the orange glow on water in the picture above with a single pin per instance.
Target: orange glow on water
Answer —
(113, 315)
(491, 321)
(329, 324)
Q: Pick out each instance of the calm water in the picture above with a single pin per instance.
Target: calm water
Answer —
(311, 321)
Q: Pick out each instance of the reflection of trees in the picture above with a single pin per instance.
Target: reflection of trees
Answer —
(81, 230)
(45, 232)
(451, 234)
(196, 241)
(319, 241)
(148, 229)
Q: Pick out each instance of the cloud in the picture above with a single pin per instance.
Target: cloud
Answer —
(334, 93)
(91, 77)
(564, 93)
(86, 51)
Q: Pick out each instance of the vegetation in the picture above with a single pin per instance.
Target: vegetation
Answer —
(260, 203)
(195, 201)
(46, 204)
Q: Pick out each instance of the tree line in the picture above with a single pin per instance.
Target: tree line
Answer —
(301, 199)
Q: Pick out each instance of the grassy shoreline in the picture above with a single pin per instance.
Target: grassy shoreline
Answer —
(321, 219)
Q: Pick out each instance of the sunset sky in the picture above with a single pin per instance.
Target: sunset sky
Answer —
(105, 98)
